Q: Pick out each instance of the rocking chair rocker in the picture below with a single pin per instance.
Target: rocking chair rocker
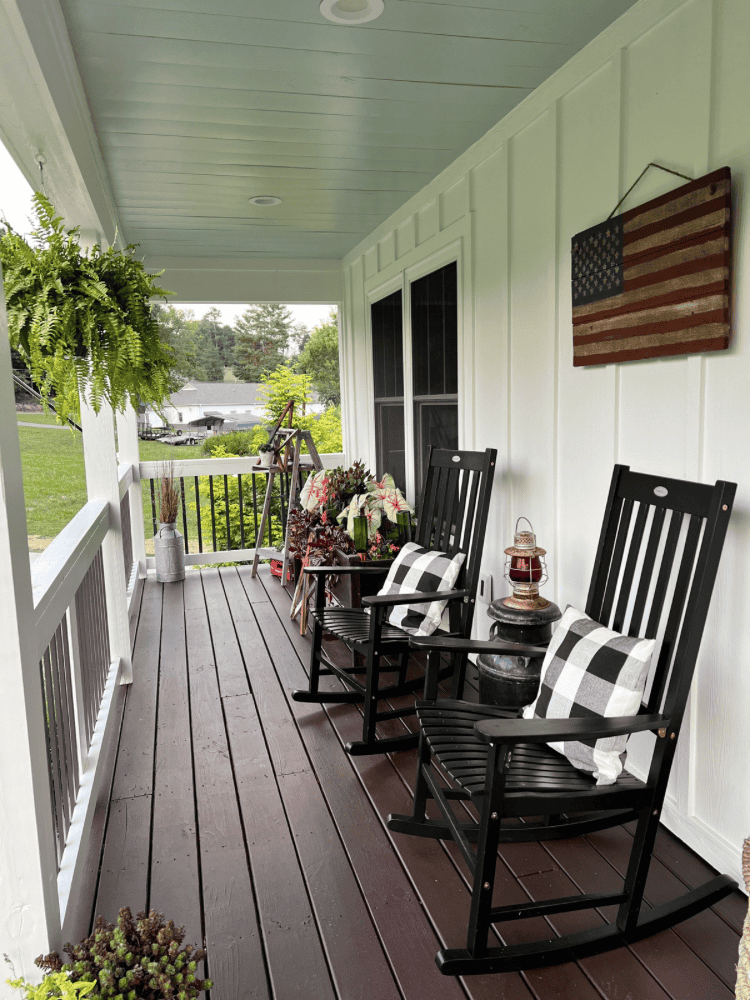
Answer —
(658, 567)
(452, 519)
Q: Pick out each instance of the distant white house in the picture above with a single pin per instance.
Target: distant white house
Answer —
(215, 406)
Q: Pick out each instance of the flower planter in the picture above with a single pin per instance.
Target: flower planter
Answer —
(349, 590)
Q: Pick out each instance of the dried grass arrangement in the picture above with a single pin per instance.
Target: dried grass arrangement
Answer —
(169, 498)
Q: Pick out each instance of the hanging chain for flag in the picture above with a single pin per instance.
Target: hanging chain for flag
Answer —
(640, 175)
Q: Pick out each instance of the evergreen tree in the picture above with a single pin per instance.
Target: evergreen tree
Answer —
(320, 360)
(208, 361)
(261, 339)
(221, 335)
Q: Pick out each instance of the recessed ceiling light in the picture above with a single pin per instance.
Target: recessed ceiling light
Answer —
(351, 11)
(264, 200)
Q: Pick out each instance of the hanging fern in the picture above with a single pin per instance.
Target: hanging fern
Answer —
(82, 319)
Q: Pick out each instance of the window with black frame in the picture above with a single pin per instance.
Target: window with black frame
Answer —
(434, 347)
(388, 376)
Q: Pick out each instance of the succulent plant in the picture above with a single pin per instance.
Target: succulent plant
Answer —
(134, 959)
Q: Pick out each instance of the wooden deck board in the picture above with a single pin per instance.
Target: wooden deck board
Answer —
(236, 812)
(175, 878)
(134, 769)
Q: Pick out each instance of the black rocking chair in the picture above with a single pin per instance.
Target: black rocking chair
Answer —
(656, 563)
(452, 517)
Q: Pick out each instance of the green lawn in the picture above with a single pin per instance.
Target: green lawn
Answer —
(36, 418)
(55, 481)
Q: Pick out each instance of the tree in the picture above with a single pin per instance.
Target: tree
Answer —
(222, 336)
(179, 328)
(279, 387)
(209, 365)
(261, 339)
(320, 360)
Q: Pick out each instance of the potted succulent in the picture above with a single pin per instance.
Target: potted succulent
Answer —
(81, 319)
(169, 550)
(137, 958)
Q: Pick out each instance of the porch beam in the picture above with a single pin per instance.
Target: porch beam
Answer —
(208, 279)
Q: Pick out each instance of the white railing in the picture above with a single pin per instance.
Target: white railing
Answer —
(221, 505)
(65, 628)
(71, 642)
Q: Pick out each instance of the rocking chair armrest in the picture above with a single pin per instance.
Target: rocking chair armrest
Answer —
(346, 570)
(554, 730)
(459, 645)
(418, 597)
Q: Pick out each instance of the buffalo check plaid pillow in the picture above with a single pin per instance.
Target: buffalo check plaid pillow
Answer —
(589, 670)
(417, 569)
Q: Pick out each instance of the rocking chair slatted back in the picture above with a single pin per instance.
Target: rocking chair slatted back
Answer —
(452, 515)
(657, 532)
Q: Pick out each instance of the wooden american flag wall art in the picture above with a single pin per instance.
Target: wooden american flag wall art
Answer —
(654, 281)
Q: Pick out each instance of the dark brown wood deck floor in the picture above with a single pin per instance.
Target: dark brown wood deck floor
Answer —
(235, 811)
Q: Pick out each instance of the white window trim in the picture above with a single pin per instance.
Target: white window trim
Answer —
(452, 244)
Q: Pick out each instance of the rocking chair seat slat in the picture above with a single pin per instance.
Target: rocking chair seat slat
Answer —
(353, 625)
(463, 754)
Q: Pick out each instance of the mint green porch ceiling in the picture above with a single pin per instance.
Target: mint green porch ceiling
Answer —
(200, 105)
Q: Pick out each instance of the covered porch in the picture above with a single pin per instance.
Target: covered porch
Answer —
(184, 777)
(238, 807)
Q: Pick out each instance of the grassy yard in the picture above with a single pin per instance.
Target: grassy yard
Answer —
(54, 478)
(35, 418)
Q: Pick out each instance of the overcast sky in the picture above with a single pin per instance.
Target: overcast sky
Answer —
(15, 206)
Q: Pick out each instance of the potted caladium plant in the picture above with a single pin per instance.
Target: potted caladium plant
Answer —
(341, 497)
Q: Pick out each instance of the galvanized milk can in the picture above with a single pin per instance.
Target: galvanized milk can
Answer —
(169, 552)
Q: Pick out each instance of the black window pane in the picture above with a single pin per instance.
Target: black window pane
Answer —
(434, 315)
(387, 346)
(389, 423)
(437, 425)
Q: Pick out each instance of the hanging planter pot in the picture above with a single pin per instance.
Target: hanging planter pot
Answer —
(169, 554)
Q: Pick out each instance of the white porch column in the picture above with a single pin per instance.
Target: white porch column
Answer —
(29, 906)
(129, 452)
(102, 484)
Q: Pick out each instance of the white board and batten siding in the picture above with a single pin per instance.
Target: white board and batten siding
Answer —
(668, 82)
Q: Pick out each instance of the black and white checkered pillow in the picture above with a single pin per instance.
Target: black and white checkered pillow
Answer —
(589, 670)
(418, 569)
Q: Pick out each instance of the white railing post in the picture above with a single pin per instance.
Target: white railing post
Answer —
(29, 905)
(128, 452)
(102, 484)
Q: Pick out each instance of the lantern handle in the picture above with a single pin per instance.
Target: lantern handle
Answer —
(527, 521)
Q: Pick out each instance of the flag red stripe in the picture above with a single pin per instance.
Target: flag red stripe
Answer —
(641, 330)
(678, 219)
(668, 298)
(663, 350)
(655, 277)
(685, 243)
